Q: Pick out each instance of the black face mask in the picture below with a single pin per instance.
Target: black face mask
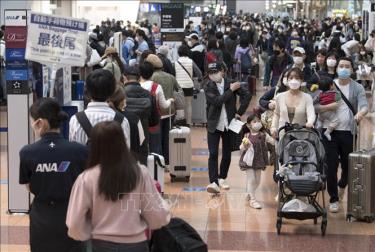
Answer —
(276, 52)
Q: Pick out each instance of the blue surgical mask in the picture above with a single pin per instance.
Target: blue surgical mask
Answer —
(343, 73)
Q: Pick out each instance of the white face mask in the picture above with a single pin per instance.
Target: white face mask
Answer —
(216, 77)
(298, 60)
(256, 126)
(294, 84)
(363, 53)
(190, 44)
(331, 62)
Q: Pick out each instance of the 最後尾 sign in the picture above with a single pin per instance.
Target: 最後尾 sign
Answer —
(15, 18)
(15, 36)
(56, 40)
(172, 17)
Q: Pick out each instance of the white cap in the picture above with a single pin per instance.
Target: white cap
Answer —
(299, 49)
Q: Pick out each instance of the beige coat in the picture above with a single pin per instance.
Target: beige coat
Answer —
(304, 112)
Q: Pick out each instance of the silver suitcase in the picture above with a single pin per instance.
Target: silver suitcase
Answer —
(156, 165)
(361, 184)
(180, 153)
(198, 108)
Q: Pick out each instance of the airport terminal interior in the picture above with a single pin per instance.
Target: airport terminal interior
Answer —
(225, 221)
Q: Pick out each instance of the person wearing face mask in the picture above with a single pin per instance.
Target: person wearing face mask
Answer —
(254, 156)
(328, 70)
(221, 97)
(277, 64)
(352, 110)
(113, 63)
(141, 39)
(49, 168)
(299, 56)
(364, 74)
(294, 41)
(262, 45)
(293, 106)
(197, 50)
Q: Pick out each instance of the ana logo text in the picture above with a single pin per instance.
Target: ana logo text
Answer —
(52, 167)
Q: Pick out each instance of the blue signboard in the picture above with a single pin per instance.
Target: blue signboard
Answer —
(16, 64)
(16, 74)
(15, 54)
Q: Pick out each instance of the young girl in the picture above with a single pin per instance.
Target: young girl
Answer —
(254, 156)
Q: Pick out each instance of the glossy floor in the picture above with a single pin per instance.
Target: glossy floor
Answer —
(226, 222)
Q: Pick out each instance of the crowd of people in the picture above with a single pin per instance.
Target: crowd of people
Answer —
(314, 73)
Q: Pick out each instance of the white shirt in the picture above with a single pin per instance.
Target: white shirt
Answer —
(96, 112)
(343, 111)
(160, 98)
(223, 121)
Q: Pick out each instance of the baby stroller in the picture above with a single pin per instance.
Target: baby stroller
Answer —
(301, 176)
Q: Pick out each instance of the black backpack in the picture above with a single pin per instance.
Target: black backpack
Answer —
(177, 236)
(86, 125)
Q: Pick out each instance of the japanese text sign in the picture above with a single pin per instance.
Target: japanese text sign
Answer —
(56, 40)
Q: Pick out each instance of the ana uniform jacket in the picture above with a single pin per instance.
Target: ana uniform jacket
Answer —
(215, 103)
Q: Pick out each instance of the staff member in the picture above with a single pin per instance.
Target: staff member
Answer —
(221, 96)
(49, 168)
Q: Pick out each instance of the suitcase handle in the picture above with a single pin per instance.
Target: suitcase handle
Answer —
(356, 137)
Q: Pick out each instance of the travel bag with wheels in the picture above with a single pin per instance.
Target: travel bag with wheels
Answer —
(252, 82)
(361, 184)
(198, 108)
(179, 236)
(156, 165)
(180, 153)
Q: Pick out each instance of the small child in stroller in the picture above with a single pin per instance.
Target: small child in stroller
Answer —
(254, 156)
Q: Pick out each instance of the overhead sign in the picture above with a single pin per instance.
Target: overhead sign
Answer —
(15, 18)
(56, 40)
(172, 17)
(11, 75)
(15, 36)
(15, 54)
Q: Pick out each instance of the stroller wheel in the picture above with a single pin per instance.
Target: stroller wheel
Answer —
(278, 225)
(324, 227)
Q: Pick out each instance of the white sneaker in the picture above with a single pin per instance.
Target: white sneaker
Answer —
(223, 184)
(341, 193)
(334, 207)
(213, 188)
(255, 204)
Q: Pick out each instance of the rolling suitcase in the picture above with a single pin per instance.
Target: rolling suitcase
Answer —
(198, 108)
(361, 185)
(252, 82)
(156, 165)
(180, 153)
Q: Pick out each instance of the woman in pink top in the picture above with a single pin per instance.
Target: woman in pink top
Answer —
(114, 201)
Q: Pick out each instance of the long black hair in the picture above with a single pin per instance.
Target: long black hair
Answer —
(119, 171)
(49, 109)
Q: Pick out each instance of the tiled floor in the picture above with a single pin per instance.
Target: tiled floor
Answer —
(226, 222)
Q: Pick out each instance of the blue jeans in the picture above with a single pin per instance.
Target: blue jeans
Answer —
(164, 129)
(155, 142)
(213, 140)
(107, 246)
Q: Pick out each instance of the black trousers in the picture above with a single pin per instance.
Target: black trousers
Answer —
(107, 246)
(48, 231)
(164, 130)
(213, 140)
(337, 151)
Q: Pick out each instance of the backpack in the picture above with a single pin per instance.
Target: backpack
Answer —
(178, 235)
(151, 46)
(84, 121)
(211, 57)
(245, 62)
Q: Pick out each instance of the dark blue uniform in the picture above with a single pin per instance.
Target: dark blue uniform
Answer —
(50, 166)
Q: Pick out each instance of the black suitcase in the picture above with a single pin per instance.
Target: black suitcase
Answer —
(177, 236)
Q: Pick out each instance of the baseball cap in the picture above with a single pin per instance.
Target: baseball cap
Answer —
(192, 35)
(215, 66)
(300, 50)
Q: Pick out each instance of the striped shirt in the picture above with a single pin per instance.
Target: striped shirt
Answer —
(96, 112)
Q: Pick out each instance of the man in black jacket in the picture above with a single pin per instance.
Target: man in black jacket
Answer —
(221, 96)
(138, 101)
(197, 50)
